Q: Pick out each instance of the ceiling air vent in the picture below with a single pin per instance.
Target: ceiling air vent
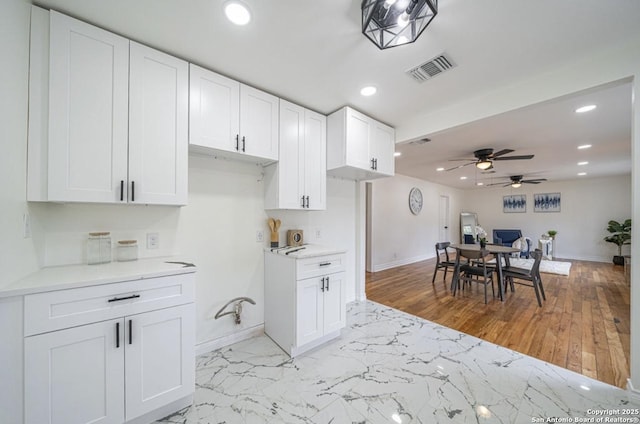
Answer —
(420, 141)
(431, 68)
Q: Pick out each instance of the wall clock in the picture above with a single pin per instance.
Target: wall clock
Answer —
(415, 200)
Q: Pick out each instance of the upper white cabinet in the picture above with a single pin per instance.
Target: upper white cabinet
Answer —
(298, 180)
(231, 119)
(158, 127)
(108, 119)
(359, 147)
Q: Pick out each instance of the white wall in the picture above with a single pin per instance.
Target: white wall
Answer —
(217, 231)
(397, 236)
(17, 254)
(587, 207)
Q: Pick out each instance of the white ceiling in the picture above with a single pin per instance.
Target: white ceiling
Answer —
(313, 53)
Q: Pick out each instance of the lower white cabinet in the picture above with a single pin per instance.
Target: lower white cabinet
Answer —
(304, 299)
(114, 370)
(320, 307)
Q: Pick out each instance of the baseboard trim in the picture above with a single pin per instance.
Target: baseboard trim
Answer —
(400, 262)
(633, 392)
(211, 345)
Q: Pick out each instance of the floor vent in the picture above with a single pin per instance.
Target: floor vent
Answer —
(431, 68)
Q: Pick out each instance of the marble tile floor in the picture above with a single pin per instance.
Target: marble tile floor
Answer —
(391, 367)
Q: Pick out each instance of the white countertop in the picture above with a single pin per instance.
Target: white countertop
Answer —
(309, 251)
(71, 276)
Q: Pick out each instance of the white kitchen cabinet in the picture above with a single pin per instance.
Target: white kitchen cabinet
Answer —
(110, 353)
(359, 147)
(304, 298)
(88, 111)
(231, 119)
(75, 375)
(382, 148)
(108, 122)
(158, 127)
(298, 180)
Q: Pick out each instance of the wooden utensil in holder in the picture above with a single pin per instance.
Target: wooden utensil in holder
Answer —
(274, 225)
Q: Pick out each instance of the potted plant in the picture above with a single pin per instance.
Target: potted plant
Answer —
(552, 234)
(620, 235)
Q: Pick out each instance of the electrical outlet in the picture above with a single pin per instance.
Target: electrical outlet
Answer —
(153, 240)
(259, 236)
(318, 234)
(26, 225)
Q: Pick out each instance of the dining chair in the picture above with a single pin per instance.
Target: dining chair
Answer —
(512, 273)
(476, 269)
(446, 263)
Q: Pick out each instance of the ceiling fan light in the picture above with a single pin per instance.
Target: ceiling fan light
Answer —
(484, 164)
(516, 184)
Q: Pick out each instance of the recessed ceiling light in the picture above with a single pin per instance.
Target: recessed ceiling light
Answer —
(582, 173)
(369, 90)
(440, 169)
(583, 163)
(463, 178)
(237, 13)
(584, 146)
(396, 154)
(479, 184)
(587, 108)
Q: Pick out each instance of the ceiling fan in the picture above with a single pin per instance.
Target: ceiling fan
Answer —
(484, 158)
(516, 181)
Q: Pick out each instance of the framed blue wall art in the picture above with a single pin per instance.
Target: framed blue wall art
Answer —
(515, 203)
(546, 202)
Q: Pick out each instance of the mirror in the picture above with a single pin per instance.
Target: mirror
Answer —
(468, 223)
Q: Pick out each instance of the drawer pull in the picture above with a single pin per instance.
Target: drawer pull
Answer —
(327, 283)
(322, 288)
(130, 331)
(117, 335)
(118, 299)
(325, 264)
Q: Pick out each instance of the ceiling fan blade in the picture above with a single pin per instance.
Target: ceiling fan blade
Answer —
(467, 159)
(459, 166)
(501, 152)
(534, 181)
(495, 184)
(514, 157)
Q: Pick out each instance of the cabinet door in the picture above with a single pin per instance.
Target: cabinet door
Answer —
(292, 153)
(88, 112)
(158, 127)
(357, 139)
(335, 311)
(308, 311)
(214, 110)
(160, 358)
(383, 143)
(75, 375)
(315, 159)
(258, 123)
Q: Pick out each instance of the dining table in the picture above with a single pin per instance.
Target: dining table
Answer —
(498, 251)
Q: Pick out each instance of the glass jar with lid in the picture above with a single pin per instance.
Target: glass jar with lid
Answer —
(99, 248)
(127, 250)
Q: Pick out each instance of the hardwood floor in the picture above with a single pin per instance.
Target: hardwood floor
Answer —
(582, 326)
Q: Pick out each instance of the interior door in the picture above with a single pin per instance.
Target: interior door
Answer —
(443, 219)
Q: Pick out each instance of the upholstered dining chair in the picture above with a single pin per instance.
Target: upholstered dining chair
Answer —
(512, 274)
(442, 260)
(476, 269)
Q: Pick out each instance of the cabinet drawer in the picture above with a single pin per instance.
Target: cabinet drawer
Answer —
(319, 265)
(55, 310)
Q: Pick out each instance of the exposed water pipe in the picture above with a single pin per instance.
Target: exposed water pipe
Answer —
(237, 308)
